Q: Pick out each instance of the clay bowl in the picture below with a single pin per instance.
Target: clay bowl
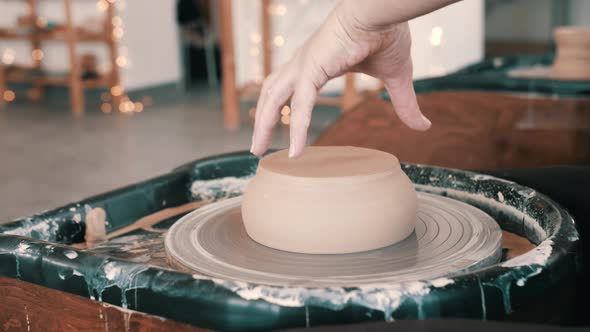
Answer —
(572, 61)
(317, 204)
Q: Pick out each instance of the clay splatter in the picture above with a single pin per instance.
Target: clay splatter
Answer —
(518, 276)
(114, 273)
(491, 204)
(71, 254)
(28, 319)
(218, 188)
(483, 177)
(484, 314)
(385, 298)
(529, 193)
(537, 256)
(520, 282)
(21, 249)
(43, 230)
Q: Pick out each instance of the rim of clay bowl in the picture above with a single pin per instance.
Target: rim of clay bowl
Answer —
(571, 29)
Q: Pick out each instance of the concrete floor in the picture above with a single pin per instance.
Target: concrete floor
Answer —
(50, 158)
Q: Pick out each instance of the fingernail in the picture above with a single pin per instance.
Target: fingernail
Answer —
(253, 142)
(425, 119)
(291, 151)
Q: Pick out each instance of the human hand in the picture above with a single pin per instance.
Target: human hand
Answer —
(349, 40)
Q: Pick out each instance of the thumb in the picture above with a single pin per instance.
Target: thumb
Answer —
(403, 98)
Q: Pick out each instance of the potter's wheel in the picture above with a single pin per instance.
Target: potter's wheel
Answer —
(450, 237)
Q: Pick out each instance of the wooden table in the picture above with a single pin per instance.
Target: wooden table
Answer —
(29, 307)
(474, 130)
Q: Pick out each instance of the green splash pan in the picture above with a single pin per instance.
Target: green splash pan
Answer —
(538, 286)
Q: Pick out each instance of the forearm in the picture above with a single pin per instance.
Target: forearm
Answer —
(375, 14)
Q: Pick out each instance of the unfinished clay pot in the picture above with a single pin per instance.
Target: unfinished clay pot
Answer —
(572, 61)
(331, 200)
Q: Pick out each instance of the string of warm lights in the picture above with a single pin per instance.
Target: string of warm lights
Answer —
(435, 38)
(8, 57)
(276, 10)
(126, 105)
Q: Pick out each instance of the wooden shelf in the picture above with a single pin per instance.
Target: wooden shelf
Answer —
(64, 80)
(71, 36)
(40, 78)
(53, 35)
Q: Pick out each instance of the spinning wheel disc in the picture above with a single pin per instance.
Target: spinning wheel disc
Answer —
(450, 237)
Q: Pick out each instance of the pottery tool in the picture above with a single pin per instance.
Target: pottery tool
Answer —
(96, 219)
(451, 237)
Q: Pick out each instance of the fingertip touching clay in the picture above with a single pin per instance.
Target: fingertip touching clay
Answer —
(330, 200)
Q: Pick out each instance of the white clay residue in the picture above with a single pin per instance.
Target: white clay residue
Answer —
(385, 298)
(528, 264)
(65, 274)
(520, 282)
(28, 320)
(200, 277)
(137, 248)
(482, 177)
(504, 282)
(71, 254)
(537, 256)
(223, 187)
(45, 229)
(22, 248)
(527, 193)
(482, 294)
(114, 273)
(491, 203)
(441, 282)
(498, 62)
(111, 270)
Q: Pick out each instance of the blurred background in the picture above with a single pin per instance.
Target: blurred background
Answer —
(99, 94)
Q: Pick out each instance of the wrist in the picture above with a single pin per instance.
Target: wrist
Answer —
(379, 14)
(366, 15)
